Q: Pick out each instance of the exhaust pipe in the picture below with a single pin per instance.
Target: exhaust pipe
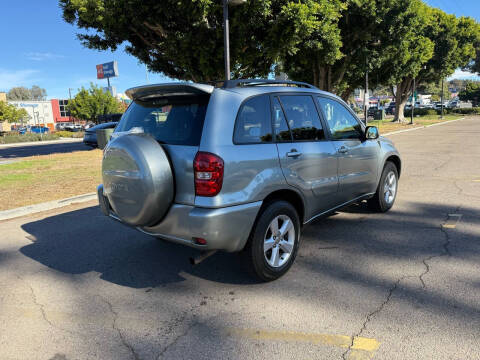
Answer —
(195, 260)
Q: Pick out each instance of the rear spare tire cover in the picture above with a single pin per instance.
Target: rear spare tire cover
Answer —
(137, 179)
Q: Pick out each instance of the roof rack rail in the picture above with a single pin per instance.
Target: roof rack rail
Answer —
(230, 84)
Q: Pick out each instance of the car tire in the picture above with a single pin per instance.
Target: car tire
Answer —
(270, 255)
(386, 193)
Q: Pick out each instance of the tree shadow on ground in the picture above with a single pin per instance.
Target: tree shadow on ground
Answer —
(84, 240)
(46, 149)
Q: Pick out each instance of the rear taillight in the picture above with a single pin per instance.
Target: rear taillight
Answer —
(208, 170)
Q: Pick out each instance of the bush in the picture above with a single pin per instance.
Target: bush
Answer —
(419, 112)
(70, 134)
(468, 111)
(15, 137)
(445, 111)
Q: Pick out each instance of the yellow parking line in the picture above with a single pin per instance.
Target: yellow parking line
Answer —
(476, 180)
(363, 348)
(452, 221)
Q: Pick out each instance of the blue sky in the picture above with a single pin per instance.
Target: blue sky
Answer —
(39, 48)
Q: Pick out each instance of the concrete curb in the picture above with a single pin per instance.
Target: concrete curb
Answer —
(34, 143)
(422, 127)
(31, 209)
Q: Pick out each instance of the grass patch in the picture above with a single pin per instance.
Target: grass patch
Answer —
(38, 179)
(385, 126)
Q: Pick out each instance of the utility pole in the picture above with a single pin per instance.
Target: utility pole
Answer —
(146, 73)
(413, 102)
(441, 114)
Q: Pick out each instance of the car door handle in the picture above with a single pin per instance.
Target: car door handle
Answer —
(293, 153)
(343, 150)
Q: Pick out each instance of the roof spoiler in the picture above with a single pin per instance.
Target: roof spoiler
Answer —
(168, 89)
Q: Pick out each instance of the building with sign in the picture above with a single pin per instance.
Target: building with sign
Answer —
(60, 110)
(39, 112)
(45, 113)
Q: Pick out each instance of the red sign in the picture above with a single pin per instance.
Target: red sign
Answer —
(100, 71)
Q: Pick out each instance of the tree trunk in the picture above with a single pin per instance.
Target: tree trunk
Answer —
(401, 97)
(346, 94)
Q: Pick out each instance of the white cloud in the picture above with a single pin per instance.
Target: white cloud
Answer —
(11, 78)
(463, 75)
(42, 56)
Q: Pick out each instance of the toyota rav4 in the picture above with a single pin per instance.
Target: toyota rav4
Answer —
(242, 166)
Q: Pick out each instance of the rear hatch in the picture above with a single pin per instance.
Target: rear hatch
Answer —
(173, 114)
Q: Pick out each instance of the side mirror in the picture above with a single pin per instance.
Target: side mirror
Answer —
(371, 133)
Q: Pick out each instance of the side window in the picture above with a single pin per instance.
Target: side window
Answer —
(282, 132)
(302, 117)
(253, 123)
(341, 122)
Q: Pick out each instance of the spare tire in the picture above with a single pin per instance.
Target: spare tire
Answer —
(137, 179)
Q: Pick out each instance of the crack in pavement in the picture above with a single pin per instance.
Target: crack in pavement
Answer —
(185, 333)
(41, 307)
(114, 327)
(446, 252)
(372, 314)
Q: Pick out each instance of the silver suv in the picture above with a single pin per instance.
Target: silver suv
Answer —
(242, 166)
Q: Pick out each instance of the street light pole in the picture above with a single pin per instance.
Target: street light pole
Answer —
(441, 114)
(365, 95)
(226, 39)
(413, 102)
(226, 34)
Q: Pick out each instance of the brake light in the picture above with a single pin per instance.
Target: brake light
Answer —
(208, 169)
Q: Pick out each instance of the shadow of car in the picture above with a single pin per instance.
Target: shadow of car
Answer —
(90, 137)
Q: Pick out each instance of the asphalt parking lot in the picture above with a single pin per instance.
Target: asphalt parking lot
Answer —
(401, 285)
(14, 152)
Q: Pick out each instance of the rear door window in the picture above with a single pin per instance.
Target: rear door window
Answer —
(253, 123)
(302, 117)
(170, 121)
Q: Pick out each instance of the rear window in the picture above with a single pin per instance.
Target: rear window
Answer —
(169, 121)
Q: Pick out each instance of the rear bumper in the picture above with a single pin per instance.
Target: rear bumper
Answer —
(225, 228)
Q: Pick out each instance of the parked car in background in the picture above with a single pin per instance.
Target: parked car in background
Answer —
(90, 137)
(372, 111)
(390, 109)
(265, 159)
(39, 129)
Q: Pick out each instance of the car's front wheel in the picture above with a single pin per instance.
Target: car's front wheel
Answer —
(273, 244)
(386, 193)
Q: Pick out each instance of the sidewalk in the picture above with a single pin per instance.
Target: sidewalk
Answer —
(35, 143)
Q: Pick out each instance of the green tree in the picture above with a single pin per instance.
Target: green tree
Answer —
(89, 103)
(19, 93)
(453, 47)
(435, 89)
(471, 92)
(38, 93)
(11, 113)
(369, 30)
(183, 39)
